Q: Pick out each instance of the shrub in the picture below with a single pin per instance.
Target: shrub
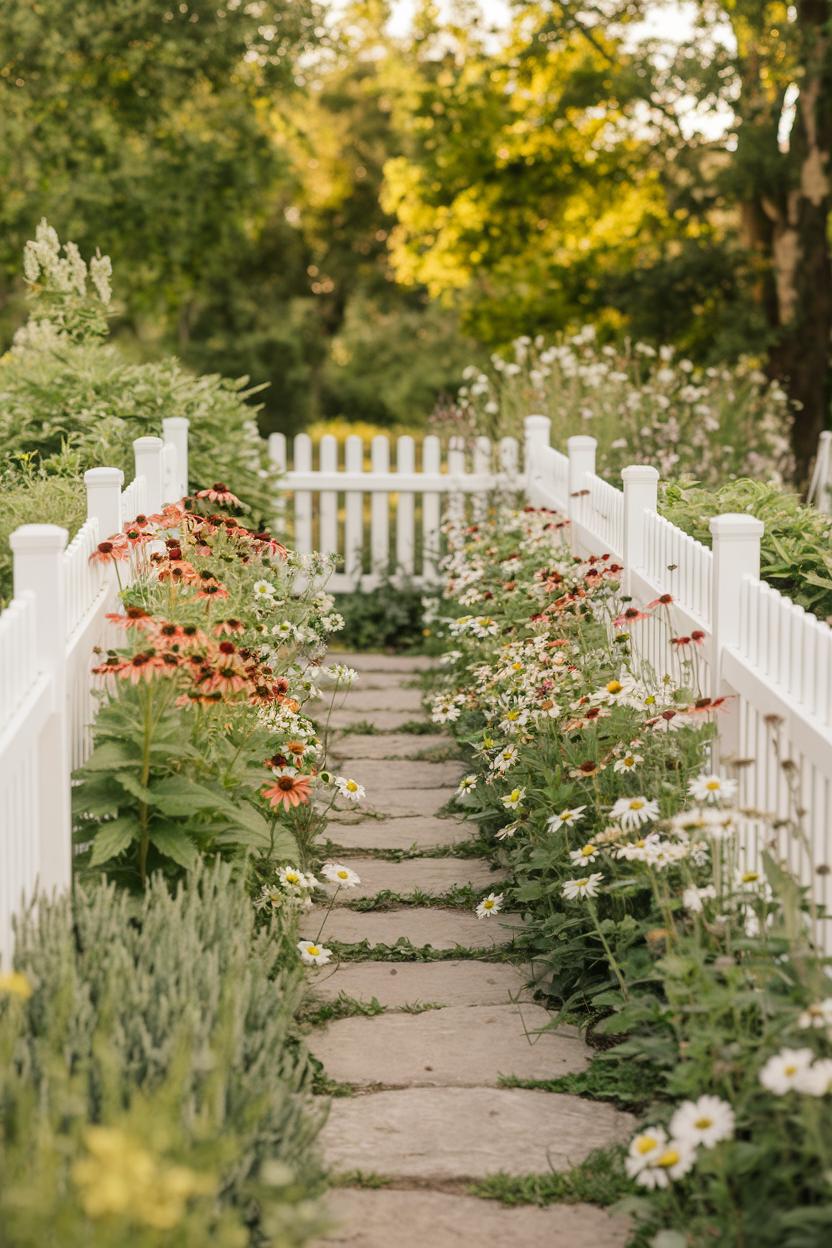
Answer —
(796, 548)
(167, 1019)
(391, 617)
(643, 406)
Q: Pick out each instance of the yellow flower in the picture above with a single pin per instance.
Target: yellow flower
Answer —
(15, 984)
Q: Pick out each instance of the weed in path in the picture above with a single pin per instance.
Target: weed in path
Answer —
(404, 951)
(461, 897)
(317, 1013)
(598, 1180)
(628, 1085)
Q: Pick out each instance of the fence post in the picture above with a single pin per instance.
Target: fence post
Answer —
(175, 430)
(581, 449)
(537, 432)
(38, 551)
(736, 556)
(148, 458)
(104, 499)
(641, 494)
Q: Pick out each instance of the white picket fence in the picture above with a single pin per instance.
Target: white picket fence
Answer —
(408, 495)
(772, 659)
(47, 636)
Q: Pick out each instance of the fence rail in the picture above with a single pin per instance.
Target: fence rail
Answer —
(47, 691)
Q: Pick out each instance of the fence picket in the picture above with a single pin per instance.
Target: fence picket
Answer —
(328, 504)
(405, 511)
(303, 498)
(354, 521)
(380, 509)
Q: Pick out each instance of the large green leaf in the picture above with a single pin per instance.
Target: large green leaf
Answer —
(113, 838)
(110, 756)
(173, 843)
(179, 795)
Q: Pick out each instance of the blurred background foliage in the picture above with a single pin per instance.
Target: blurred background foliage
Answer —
(291, 191)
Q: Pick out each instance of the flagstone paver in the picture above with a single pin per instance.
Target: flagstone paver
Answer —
(441, 1134)
(421, 925)
(404, 664)
(425, 875)
(428, 1110)
(420, 831)
(460, 1046)
(405, 745)
(397, 984)
(412, 1219)
(381, 778)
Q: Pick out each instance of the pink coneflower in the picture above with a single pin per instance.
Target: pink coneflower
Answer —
(135, 536)
(113, 548)
(228, 627)
(271, 544)
(630, 616)
(134, 617)
(141, 668)
(219, 493)
(213, 589)
(288, 790)
(663, 600)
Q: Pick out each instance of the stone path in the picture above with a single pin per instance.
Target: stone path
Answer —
(425, 1114)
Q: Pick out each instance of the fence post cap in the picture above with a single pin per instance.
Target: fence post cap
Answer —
(736, 525)
(581, 442)
(639, 473)
(38, 539)
(103, 476)
(825, 435)
(147, 444)
(536, 422)
(175, 422)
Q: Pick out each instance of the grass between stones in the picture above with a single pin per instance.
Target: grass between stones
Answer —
(598, 1180)
(630, 1087)
(437, 754)
(359, 1178)
(319, 1013)
(460, 897)
(404, 951)
(472, 848)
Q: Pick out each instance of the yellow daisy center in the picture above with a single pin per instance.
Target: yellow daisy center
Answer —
(351, 785)
(670, 1157)
(614, 686)
(713, 785)
(646, 1144)
(791, 1071)
(588, 851)
(313, 950)
(637, 804)
(582, 883)
(702, 1124)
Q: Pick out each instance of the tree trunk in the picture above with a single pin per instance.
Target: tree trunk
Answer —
(801, 262)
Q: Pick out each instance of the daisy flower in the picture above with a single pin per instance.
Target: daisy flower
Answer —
(585, 887)
(263, 589)
(786, 1071)
(705, 1121)
(587, 853)
(466, 784)
(633, 812)
(338, 874)
(673, 1161)
(566, 819)
(492, 904)
(293, 878)
(819, 1014)
(644, 1148)
(313, 954)
(350, 789)
(711, 788)
(513, 799)
(692, 898)
(627, 763)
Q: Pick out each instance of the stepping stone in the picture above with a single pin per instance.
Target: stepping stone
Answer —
(426, 875)
(405, 745)
(443, 1134)
(361, 701)
(394, 984)
(412, 1219)
(442, 929)
(389, 680)
(461, 1046)
(402, 663)
(382, 776)
(424, 832)
(383, 721)
(402, 802)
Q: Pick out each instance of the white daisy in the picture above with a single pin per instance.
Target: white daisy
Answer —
(313, 954)
(466, 784)
(633, 812)
(817, 1079)
(587, 853)
(785, 1071)
(263, 589)
(492, 904)
(692, 898)
(627, 763)
(295, 880)
(350, 789)
(711, 788)
(705, 1121)
(644, 1148)
(338, 874)
(566, 819)
(341, 674)
(585, 887)
(513, 799)
(672, 1162)
(819, 1014)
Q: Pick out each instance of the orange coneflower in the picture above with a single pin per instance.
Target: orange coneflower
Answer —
(114, 548)
(134, 617)
(219, 493)
(142, 667)
(229, 626)
(289, 789)
(213, 590)
(630, 616)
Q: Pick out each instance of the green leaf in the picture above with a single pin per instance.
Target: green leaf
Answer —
(174, 844)
(112, 839)
(178, 795)
(110, 756)
(133, 786)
